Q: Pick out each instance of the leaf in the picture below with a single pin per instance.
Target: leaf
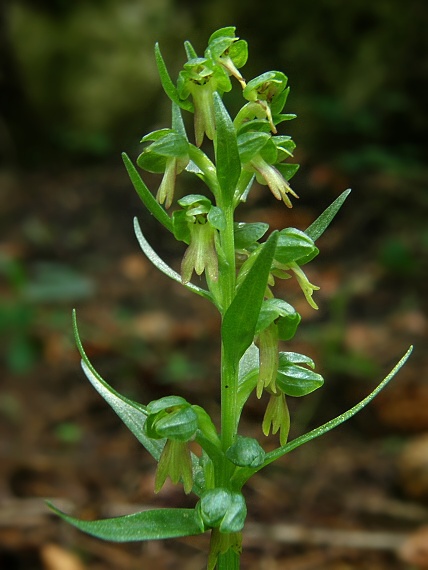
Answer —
(167, 84)
(190, 50)
(250, 144)
(296, 380)
(283, 313)
(162, 266)
(247, 375)
(318, 227)
(132, 413)
(145, 195)
(177, 120)
(287, 170)
(246, 234)
(240, 320)
(226, 149)
(294, 245)
(243, 474)
(147, 525)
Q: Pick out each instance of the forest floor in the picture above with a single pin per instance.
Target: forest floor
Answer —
(357, 498)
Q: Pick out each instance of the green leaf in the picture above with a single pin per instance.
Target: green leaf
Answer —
(162, 266)
(180, 424)
(294, 245)
(227, 156)
(177, 121)
(240, 320)
(169, 145)
(145, 195)
(283, 313)
(246, 234)
(147, 525)
(216, 218)
(190, 50)
(132, 413)
(167, 84)
(250, 144)
(318, 227)
(287, 170)
(244, 473)
(296, 380)
(247, 375)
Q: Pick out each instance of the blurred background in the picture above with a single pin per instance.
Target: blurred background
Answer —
(79, 85)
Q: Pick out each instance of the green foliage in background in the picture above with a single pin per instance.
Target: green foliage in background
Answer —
(359, 69)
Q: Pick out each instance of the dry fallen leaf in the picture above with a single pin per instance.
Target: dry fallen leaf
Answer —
(415, 549)
(55, 557)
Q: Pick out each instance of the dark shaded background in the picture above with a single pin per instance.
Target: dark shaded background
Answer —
(78, 85)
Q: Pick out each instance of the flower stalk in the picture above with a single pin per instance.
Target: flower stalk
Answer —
(236, 264)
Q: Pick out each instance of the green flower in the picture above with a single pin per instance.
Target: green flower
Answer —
(175, 462)
(307, 287)
(229, 51)
(165, 193)
(269, 92)
(259, 152)
(220, 543)
(197, 224)
(173, 418)
(268, 351)
(168, 153)
(268, 174)
(277, 417)
(201, 254)
(200, 78)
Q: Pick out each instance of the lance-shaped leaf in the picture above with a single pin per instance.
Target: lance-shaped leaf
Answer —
(132, 413)
(167, 84)
(162, 266)
(147, 525)
(318, 227)
(243, 474)
(145, 195)
(227, 156)
(248, 372)
(240, 320)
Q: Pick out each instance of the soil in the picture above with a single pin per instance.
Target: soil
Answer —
(357, 498)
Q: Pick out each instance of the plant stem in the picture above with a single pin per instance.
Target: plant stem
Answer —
(229, 369)
(228, 561)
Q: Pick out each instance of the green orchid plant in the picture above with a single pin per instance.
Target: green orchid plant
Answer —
(240, 263)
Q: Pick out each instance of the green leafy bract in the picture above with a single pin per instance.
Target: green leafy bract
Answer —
(295, 380)
(318, 227)
(294, 246)
(247, 234)
(226, 150)
(145, 195)
(240, 320)
(147, 525)
(281, 312)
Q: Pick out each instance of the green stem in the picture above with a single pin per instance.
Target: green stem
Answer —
(229, 369)
(228, 561)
